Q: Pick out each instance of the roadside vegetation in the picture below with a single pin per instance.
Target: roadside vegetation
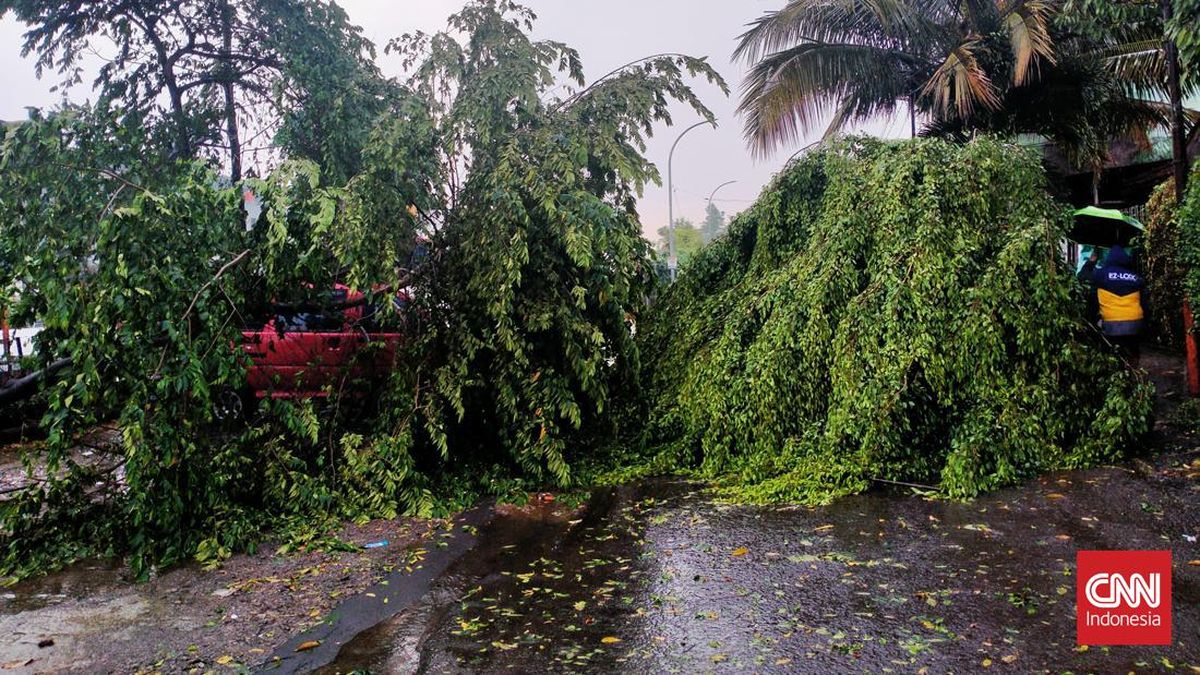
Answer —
(885, 311)
(121, 235)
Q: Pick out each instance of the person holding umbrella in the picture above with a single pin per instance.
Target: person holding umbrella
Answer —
(1116, 297)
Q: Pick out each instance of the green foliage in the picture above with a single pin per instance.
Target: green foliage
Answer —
(143, 269)
(714, 222)
(1188, 217)
(1139, 26)
(1166, 271)
(1079, 73)
(1183, 30)
(890, 311)
(863, 58)
(689, 239)
(331, 93)
(542, 266)
(208, 71)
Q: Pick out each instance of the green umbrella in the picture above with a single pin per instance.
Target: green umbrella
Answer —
(1106, 228)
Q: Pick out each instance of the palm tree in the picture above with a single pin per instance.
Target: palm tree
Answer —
(1108, 81)
(858, 59)
(1139, 43)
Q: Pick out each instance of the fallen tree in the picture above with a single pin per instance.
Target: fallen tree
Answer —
(144, 268)
(889, 311)
(23, 387)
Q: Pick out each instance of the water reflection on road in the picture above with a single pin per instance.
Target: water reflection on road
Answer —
(661, 578)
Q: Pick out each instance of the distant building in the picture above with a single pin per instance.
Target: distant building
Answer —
(1135, 167)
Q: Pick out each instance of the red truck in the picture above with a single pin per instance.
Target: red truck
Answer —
(311, 352)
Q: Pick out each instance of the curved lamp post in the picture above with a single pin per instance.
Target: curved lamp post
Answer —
(672, 260)
(710, 201)
(801, 150)
(718, 188)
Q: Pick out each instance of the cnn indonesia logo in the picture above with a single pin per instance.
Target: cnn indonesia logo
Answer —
(1123, 598)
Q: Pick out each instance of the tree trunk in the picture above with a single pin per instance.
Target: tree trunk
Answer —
(183, 136)
(1178, 139)
(231, 124)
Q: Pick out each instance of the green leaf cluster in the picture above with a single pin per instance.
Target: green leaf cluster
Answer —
(144, 269)
(894, 311)
(1187, 218)
(1167, 271)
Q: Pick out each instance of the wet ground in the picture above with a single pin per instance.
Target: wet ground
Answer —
(661, 578)
(93, 618)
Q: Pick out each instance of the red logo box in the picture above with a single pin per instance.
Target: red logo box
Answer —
(1123, 598)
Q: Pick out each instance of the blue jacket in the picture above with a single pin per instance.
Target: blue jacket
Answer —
(1119, 294)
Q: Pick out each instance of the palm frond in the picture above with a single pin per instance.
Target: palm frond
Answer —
(960, 84)
(879, 23)
(787, 93)
(1027, 22)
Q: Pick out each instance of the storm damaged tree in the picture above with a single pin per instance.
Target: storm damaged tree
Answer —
(542, 268)
(143, 270)
(886, 311)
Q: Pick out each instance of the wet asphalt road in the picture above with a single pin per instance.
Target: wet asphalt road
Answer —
(661, 578)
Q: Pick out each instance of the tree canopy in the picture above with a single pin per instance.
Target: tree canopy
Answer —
(860, 59)
(144, 267)
(885, 311)
(689, 239)
(714, 222)
(212, 71)
(1078, 73)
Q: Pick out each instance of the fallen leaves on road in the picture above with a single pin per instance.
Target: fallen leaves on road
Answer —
(740, 551)
(311, 644)
(610, 640)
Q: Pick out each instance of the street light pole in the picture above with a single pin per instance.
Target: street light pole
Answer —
(710, 208)
(672, 259)
(717, 189)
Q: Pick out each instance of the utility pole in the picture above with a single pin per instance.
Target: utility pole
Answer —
(672, 258)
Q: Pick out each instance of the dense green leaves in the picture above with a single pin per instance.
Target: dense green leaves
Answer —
(522, 305)
(890, 311)
(222, 77)
(1166, 271)
(1188, 219)
(540, 267)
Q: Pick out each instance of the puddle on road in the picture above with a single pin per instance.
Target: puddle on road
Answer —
(82, 580)
(536, 583)
(660, 578)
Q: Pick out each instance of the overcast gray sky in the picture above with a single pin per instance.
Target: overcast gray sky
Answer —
(607, 34)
